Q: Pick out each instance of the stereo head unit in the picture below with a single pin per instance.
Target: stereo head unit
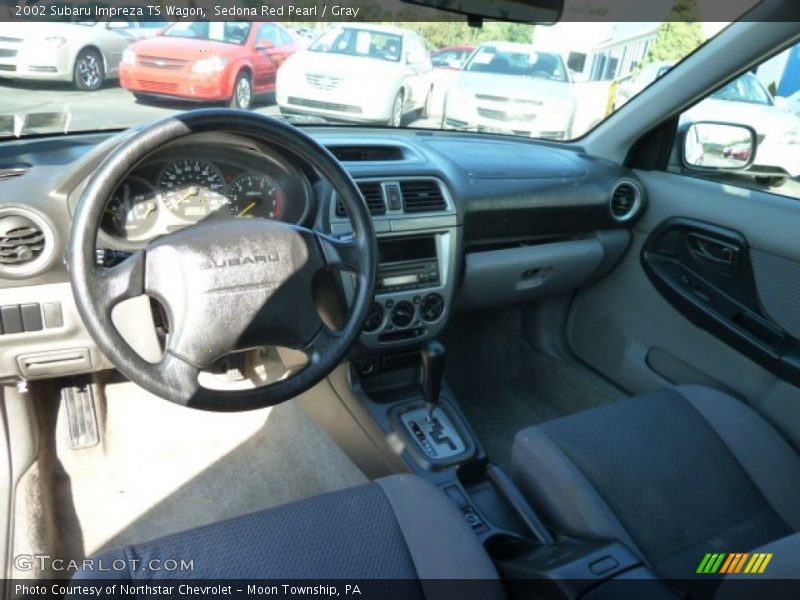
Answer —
(407, 263)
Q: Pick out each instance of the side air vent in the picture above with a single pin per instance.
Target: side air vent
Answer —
(626, 198)
(422, 195)
(367, 153)
(12, 171)
(24, 242)
(373, 195)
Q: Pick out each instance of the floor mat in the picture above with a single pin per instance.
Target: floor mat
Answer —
(161, 468)
(503, 385)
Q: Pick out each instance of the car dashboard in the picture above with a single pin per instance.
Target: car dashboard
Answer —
(462, 220)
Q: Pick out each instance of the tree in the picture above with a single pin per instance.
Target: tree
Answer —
(680, 35)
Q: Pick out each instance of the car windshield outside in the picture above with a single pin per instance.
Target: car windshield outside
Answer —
(228, 33)
(363, 43)
(530, 81)
(517, 61)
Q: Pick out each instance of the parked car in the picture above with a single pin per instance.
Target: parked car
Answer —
(511, 88)
(230, 62)
(746, 101)
(85, 53)
(633, 84)
(363, 73)
(452, 57)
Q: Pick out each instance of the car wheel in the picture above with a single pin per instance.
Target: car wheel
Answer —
(242, 92)
(774, 181)
(426, 108)
(396, 116)
(89, 73)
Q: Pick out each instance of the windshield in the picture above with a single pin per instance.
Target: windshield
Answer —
(360, 42)
(533, 81)
(519, 61)
(228, 33)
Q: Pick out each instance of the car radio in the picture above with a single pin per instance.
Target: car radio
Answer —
(407, 264)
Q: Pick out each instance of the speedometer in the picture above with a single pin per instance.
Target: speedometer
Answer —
(255, 195)
(192, 189)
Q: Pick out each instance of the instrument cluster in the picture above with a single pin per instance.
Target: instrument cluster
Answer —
(162, 196)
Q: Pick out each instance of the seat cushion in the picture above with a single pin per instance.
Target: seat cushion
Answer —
(396, 528)
(674, 474)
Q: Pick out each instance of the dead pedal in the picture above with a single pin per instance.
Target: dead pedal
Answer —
(81, 416)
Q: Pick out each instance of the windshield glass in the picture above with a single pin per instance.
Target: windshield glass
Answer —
(534, 81)
(228, 33)
(518, 61)
(360, 42)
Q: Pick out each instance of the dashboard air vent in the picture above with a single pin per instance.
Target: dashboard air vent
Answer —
(373, 195)
(422, 195)
(22, 241)
(625, 200)
(11, 171)
(367, 153)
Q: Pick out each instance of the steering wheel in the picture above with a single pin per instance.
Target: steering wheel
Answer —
(225, 284)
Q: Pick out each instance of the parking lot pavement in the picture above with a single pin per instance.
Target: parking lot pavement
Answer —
(111, 107)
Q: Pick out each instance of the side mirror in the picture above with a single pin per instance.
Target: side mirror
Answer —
(711, 146)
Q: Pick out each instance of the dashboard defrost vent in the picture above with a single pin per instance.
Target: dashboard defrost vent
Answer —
(423, 195)
(625, 200)
(22, 241)
(373, 195)
(367, 153)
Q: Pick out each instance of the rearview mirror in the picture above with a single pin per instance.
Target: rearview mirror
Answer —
(515, 11)
(714, 146)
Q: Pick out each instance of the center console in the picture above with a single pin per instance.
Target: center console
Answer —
(416, 226)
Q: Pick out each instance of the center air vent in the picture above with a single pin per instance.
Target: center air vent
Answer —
(373, 195)
(24, 242)
(422, 195)
(625, 201)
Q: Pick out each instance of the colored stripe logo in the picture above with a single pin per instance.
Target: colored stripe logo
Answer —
(724, 563)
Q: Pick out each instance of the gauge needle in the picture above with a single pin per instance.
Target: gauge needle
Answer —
(246, 209)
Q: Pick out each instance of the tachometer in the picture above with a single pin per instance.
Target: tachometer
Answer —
(192, 189)
(132, 210)
(255, 195)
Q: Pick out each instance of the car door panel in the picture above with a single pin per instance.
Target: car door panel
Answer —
(644, 328)
(707, 273)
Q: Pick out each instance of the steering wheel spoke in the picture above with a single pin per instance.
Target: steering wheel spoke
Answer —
(181, 375)
(120, 282)
(345, 254)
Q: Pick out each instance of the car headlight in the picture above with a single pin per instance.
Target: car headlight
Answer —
(561, 108)
(215, 64)
(128, 57)
(458, 95)
(792, 136)
(54, 42)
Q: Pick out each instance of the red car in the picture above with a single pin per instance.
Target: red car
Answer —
(452, 58)
(208, 61)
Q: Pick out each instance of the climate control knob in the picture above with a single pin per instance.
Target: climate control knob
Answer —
(403, 314)
(431, 307)
(374, 318)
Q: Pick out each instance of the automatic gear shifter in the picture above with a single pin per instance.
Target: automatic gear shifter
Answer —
(430, 426)
(433, 355)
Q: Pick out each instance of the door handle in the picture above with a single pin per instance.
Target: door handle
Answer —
(713, 252)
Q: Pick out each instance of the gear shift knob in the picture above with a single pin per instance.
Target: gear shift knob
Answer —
(433, 357)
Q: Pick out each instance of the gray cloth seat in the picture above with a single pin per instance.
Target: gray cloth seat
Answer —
(397, 528)
(674, 474)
